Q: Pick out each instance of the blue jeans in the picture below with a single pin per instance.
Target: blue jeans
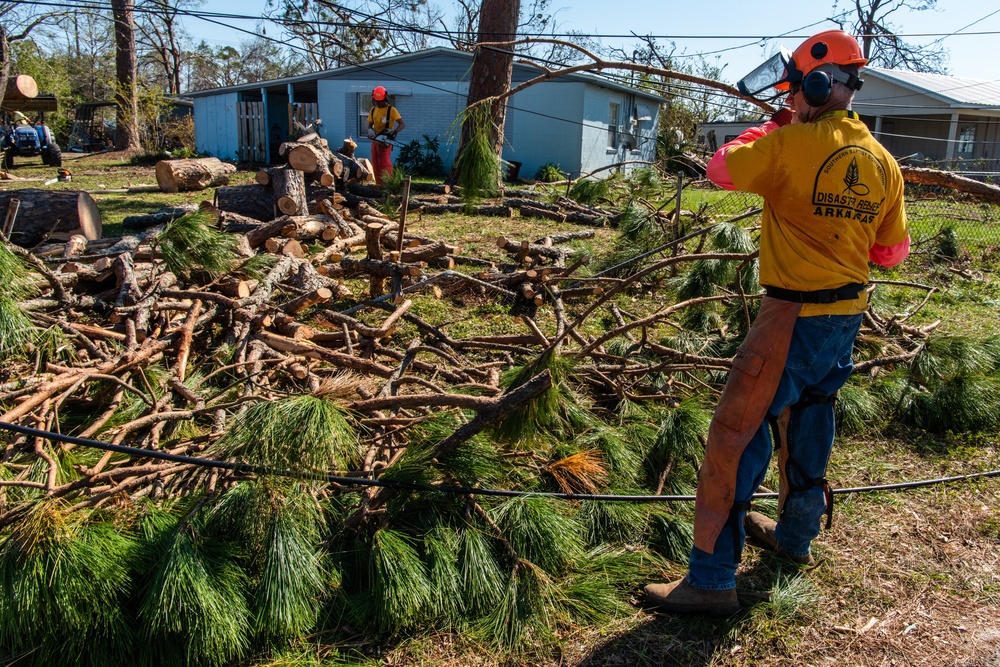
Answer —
(819, 363)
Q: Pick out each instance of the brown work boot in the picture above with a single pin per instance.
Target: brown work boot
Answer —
(680, 597)
(760, 529)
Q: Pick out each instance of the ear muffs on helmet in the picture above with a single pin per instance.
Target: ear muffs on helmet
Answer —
(817, 85)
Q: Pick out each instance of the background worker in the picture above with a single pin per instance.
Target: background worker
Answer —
(833, 200)
(384, 122)
(21, 119)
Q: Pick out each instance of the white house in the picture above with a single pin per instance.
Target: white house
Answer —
(580, 122)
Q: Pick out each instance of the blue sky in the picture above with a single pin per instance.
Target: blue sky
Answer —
(729, 28)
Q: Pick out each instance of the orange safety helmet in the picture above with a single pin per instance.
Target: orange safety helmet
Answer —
(831, 47)
(378, 94)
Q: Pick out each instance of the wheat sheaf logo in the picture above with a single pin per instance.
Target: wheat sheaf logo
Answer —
(852, 181)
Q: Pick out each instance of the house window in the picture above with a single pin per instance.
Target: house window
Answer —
(614, 119)
(967, 139)
(364, 106)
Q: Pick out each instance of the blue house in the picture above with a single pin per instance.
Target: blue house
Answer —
(581, 122)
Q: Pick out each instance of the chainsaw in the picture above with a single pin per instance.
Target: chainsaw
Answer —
(387, 139)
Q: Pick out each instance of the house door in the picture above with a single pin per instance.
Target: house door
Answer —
(252, 132)
(300, 116)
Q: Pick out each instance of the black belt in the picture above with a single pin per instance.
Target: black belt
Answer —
(846, 292)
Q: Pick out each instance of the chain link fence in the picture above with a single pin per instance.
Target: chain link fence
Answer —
(936, 216)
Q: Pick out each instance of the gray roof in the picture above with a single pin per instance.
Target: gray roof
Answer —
(375, 65)
(953, 90)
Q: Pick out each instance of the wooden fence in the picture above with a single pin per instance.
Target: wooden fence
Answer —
(252, 131)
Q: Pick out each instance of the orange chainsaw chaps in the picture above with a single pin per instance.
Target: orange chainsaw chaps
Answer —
(753, 381)
(781, 449)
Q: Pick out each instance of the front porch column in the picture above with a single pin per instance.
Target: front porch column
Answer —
(267, 127)
(952, 137)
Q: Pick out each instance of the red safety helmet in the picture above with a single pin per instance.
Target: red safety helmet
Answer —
(378, 94)
(831, 47)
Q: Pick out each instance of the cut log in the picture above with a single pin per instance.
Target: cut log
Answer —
(299, 304)
(161, 217)
(313, 161)
(355, 170)
(288, 187)
(20, 87)
(192, 174)
(946, 179)
(535, 212)
(251, 201)
(56, 214)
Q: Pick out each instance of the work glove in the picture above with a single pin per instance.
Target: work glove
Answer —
(391, 134)
(371, 133)
(782, 116)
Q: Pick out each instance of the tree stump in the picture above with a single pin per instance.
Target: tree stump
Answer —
(251, 201)
(51, 214)
(193, 174)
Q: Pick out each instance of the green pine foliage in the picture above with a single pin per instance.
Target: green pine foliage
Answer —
(400, 590)
(299, 432)
(540, 530)
(278, 526)
(680, 440)
(192, 244)
(479, 169)
(63, 583)
(482, 578)
(192, 608)
(672, 537)
(558, 409)
(16, 330)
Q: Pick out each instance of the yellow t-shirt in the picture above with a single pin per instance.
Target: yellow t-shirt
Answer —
(377, 118)
(830, 192)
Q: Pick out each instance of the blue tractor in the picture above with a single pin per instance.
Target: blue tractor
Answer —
(23, 139)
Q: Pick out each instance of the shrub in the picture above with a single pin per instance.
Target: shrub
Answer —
(550, 173)
(421, 158)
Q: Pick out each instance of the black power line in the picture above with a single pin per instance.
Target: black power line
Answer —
(408, 486)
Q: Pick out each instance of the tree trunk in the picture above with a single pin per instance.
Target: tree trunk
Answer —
(491, 69)
(56, 214)
(194, 174)
(126, 67)
(4, 63)
(252, 201)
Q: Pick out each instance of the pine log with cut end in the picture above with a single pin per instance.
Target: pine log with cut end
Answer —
(427, 252)
(313, 161)
(288, 186)
(355, 170)
(251, 201)
(20, 87)
(949, 180)
(525, 249)
(297, 305)
(306, 227)
(56, 214)
(192, 174)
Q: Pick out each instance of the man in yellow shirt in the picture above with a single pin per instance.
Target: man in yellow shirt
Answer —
(384, 123)
(833, 200)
